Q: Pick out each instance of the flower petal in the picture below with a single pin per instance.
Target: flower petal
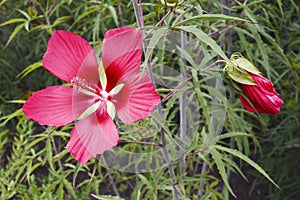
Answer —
(66, 53)
(263, 96)
(136, 100)
(121, 54)
(51, 106)
(93, 135)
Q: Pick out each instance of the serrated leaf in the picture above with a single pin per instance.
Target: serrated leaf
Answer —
(240, 155)
(221, 167)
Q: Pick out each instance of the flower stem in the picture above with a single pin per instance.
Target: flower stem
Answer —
(176, 190)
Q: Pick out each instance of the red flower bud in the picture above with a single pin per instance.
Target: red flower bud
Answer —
(263, 97)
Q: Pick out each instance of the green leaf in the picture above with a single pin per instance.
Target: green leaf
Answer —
(221, 167)
(29, 69)
(247, 160)
(203, 37)
(77, 169)
(156, 35)
(2, 2)
(12, 21)
(49, 152)
(233, 134)
(106, 197)
(211, 17)
(114, 14)
(24, 13)
(14, 33)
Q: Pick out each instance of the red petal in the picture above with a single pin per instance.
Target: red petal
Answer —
(263, 96)
(66, 53)
(121, 54)
(51, 106)
(136, 100)
(93, 135)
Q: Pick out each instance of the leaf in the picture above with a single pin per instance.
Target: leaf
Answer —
(12, 21)
(206, 39)
(157, 34)
(49, 152)
(2, 2)
(24, 13)
(221, 167)
(106, 197)
(233, 134)
(114, 14)
(210, 17)
(14, 33)
(77, 169)
(29, 69)
(247, 160)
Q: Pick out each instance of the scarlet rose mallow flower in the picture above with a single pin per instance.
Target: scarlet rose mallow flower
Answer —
(263, 97)
(259, 91)
(95, 91)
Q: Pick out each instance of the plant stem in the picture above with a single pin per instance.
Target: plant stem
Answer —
(182, 102)
(140, 21)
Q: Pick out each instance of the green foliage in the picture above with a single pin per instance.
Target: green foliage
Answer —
(34, 163)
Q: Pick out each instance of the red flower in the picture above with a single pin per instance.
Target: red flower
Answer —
(92, 99)
(263, 96)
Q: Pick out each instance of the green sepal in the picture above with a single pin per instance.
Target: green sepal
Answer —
(245, 64)
(238, 75)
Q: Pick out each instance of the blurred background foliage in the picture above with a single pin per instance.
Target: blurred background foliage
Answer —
(34, 163)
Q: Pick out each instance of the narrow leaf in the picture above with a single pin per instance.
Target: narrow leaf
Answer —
(14, 33)
(248, 160)
(221, 167)
(211, 17)
(203, 37)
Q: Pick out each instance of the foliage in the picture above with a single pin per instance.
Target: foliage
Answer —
(34, 162)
